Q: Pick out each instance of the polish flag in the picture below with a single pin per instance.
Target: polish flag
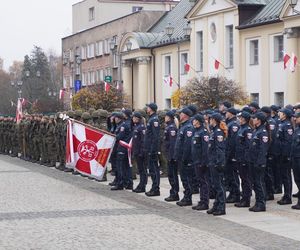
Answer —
(293, 63)
(286, 58)
(106, 86)
(88, 149)
(217, 64)
(61, 94)
(187, 67)
(168, 80)
(129, 148)
(19, 112)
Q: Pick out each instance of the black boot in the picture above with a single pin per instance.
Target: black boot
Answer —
(184, 203)
(200, 206)
(296, 195)
(172, 198)
(256, 208)
(242, 203)
(219, 212)
(284, 201)
(232, 198)
(297, 206)
(152, 193)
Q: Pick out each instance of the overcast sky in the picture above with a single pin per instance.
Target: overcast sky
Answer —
(24, 23)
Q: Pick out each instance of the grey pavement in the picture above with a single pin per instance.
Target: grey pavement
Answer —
(43, 208)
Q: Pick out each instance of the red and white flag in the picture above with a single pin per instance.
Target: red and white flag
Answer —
(129, 148)
(168, 80)
(286, 58)
(88, 150)
(106, 86)
(19, 112)
(217, 64)
(293, 63)
(61, 94)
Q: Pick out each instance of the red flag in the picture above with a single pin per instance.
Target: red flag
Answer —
(293, 63)
(106, 86)
(286, 58)
(19, 112)
(88, 150)
(217, 64)
(187, 67)
(129, 148)
(168, 80)
(61, 94)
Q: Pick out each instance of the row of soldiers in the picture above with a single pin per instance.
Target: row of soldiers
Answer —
(213, 151)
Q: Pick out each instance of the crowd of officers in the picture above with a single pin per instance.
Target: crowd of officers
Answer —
(213, 151)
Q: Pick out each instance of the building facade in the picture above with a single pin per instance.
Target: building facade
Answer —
(90, 13)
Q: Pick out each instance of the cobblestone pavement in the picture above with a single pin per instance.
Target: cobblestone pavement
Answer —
(43, 208)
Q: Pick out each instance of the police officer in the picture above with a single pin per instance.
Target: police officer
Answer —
(223, 106)
(285, 135)
(170, 135)
(295, 156)
(123, 133)
(272, 153)
(254, 107)
(243, 139)
(200, 160)
(258, 153)
(139, 130)
(231, 174)
(216, 162)
(182, 154)
(151, 147)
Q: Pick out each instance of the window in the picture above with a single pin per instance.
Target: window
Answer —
(199, 51)
(83, 52)
(183, 61)
(167, 65)
(108, 72)
(279, 99)
(91, 13)
(136, 8)
(229, 46)
(254, 97)
(106, 47)
(254, 52)
(99, 48)
(91, 77)
(101, 75)
(168, 103)
(91, 50)
(71, 55)
(115, 60)
(83, 79)
(278, 48)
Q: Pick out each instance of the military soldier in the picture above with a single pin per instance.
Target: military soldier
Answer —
(86, 118)
(61, 131)
(170, 135)
(51, 142)
(152, 148)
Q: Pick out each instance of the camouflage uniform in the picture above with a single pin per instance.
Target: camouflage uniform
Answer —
(51, 142)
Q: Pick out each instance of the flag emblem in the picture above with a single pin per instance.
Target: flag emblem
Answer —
(87, 151)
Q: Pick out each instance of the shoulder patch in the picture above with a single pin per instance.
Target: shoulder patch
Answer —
(189, 133)
(144, 131)
(265, 139)
(220, 138)
(218, 129)
(249, 136)
(173, 132)
(206, 138)
(290, 131)
(122, 129)
(235, 128)
(155, 124)
(272, 126)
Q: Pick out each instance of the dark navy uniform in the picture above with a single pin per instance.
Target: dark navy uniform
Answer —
(284, 136)
(295, 157)
(243, 159)
(151, 146)
(272, 153)
(231, 174)
(258, 155)
(123, 133)
(216, 162)
(139, 131)
(200, 162)
(182, 154)
(170, 136)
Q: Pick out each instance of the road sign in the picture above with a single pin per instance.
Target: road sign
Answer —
(108, 79)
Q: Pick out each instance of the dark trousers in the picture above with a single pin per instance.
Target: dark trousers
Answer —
(128, 182)
(259, 185)
(202, 174)
(286, 177)
(173, 177)
(269, 176)
(246, 183)
(120, 164)
(232, 178)
(186, 176)
(217, 178)
(154, 171)
(277, 172)
(140, 161)
(296, 171)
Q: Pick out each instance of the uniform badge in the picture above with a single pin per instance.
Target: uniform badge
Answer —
(144, 132)
(272, 126)
(265, 139)
(173, 132)
(194, 141)
(290, 131)
(206, 138)
(235, 128)
(220, 138)
(135, 136)
(189, 133)
(155, 124)
(122, 129)
(249, 136)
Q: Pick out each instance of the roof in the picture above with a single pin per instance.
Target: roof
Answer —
(250, 2)
(156, 36)
(270, 13)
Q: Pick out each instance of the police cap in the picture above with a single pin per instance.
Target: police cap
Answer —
(152, 106)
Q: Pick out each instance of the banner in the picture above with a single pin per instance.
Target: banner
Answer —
(88, 149)
(19, 112)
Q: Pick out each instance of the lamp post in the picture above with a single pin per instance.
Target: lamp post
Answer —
(293, 4)
(18, 84)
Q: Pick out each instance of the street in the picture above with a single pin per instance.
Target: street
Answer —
(43, 208)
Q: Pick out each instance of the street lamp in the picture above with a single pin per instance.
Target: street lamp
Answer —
(128, 45)
(293, 4)
(187, 30)
(169, 30)
(112, 44)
